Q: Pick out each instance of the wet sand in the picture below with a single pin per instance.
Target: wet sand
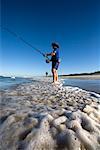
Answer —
(42, 116)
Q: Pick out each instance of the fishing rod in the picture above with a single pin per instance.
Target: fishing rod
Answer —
(25, 42)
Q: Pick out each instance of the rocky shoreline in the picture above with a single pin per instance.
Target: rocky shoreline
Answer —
(42, 116)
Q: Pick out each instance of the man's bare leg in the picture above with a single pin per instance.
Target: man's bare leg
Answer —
(54, 71)
(54, 74)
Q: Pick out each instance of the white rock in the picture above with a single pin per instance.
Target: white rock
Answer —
(59, 120)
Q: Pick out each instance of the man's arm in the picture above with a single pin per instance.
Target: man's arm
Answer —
(50, 54)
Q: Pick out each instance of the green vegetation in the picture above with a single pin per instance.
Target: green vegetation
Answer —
(77, 74)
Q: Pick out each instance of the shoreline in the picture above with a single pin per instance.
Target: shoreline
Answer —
(89, 77)
(61, 78)
(39, 115)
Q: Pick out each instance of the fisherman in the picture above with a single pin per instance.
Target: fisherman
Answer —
(55, 54)
(55, 61)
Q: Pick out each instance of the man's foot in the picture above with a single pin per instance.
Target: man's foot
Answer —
(56, 82)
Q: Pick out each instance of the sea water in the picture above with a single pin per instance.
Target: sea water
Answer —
(6, 82)
(89, 85)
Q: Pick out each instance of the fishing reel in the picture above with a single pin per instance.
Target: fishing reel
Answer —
(47, 58)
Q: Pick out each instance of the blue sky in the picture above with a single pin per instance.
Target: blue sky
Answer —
(74, 24)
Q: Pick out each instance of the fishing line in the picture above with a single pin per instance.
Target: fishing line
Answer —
(25, 42)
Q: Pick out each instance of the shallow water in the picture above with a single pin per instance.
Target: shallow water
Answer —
(90, 85)
(6, 82)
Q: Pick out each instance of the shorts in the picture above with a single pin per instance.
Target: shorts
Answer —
(55, 65)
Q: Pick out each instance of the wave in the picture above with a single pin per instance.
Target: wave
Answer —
(76, 89)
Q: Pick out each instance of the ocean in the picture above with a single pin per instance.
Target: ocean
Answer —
(89, 85)
(7, 82)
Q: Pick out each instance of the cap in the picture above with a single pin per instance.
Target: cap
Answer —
(55, 44)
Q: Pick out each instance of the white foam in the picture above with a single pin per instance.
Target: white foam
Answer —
(95, 94)
(77, 89)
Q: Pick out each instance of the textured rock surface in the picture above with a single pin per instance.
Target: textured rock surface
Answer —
(41, 116)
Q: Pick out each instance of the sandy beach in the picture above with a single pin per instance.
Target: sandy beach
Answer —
(43, 116)
(90, 77)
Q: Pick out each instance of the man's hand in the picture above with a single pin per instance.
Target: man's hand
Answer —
(47, 61)
(47, 54)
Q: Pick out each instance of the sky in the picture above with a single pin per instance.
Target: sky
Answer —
(74, 24)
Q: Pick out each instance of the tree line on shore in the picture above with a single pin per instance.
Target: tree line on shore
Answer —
(76, 74)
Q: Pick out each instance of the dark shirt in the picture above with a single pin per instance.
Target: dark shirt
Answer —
(55, 58)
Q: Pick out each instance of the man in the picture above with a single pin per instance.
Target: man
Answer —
(55, 61)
